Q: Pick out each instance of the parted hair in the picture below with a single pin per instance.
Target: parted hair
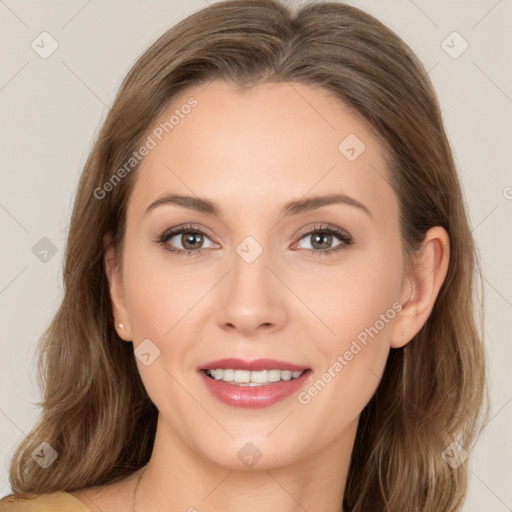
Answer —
(95, 411)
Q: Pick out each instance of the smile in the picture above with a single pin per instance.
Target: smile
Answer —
(252, 378)
(253, 384)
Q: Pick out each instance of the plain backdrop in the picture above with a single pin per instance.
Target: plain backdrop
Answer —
(51, 109)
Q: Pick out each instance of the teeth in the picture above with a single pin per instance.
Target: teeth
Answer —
(248, 378)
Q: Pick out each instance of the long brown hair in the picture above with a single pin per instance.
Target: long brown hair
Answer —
(95, 411)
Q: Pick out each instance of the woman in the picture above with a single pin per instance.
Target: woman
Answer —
(268, 283)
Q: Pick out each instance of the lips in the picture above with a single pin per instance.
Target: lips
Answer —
(239, 394)
(254, 365)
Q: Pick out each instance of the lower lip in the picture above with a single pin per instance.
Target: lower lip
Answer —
(253, 396)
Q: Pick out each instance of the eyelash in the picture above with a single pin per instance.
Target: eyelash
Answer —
(344, 237)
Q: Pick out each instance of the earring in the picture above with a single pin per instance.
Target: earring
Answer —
(121, 326)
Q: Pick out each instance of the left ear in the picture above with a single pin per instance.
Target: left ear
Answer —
(421, 286)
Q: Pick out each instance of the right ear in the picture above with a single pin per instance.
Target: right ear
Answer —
(115, 284)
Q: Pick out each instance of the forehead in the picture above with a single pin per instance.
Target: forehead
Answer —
(251, 149)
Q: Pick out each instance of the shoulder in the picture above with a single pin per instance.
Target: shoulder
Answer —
(52, 502)
(112, 496)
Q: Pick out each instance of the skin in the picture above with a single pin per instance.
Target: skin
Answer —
(250, 152)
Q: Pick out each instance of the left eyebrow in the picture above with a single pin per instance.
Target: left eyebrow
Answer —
(294, 207)
(313, 203)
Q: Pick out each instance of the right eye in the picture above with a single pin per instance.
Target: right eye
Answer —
(190, 238)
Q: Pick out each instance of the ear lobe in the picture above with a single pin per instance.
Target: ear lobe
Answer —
(422, 286)
(115, 283)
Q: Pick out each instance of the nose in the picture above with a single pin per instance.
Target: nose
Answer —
(253, 298)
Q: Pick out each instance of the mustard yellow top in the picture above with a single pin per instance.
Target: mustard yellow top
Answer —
(53, 502)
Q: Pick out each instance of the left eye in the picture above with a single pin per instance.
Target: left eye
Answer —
(321, 240)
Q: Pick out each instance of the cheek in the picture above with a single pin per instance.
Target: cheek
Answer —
(158, 299)
(164, 302)
(147, 301)
(158, 293)
(359, 304)
(353, 296)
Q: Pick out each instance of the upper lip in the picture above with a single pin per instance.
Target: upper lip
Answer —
(254, 365)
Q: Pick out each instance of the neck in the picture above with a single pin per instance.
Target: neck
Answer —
(177, 478)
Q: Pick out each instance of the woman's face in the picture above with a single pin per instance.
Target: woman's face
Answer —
(257, 290)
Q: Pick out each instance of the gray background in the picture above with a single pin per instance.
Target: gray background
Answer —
(52, 108)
